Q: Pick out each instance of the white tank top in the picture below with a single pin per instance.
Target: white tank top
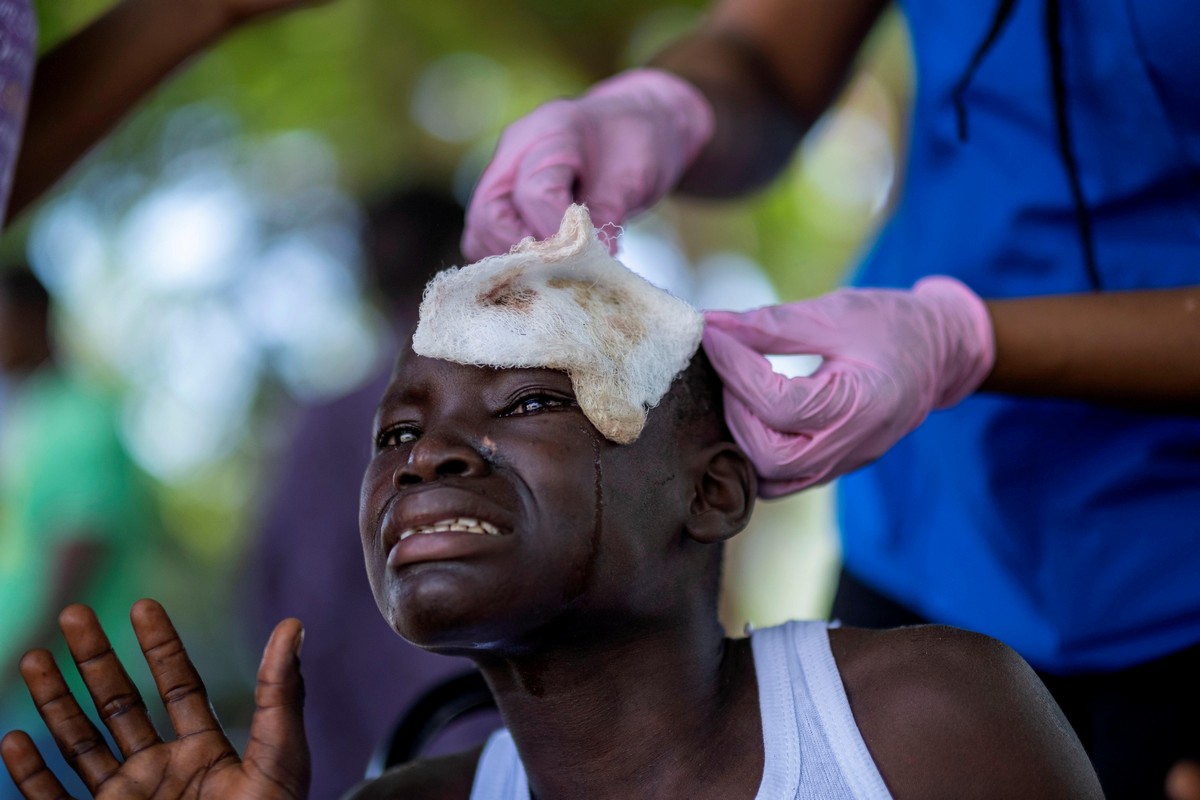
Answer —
(813, 749)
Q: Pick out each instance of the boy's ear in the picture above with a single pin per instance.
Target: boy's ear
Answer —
(723, 498)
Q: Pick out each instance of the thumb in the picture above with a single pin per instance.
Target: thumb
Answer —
(788, 405)
(545, 183)
(278, 750)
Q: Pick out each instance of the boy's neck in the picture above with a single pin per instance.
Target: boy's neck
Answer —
(652, 713)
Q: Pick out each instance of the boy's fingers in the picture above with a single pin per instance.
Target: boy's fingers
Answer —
(78, 739)
(117, 700)
(27, 769)
(277, 747)
(179, 685)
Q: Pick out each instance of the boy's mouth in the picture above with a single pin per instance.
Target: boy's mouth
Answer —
(446, 523)
(453, 524)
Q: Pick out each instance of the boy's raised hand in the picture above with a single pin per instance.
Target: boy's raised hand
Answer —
(200, 762)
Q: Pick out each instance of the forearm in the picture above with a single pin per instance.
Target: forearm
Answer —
(85, 85)
(769, 68)
(1138, 349)
(755, 130)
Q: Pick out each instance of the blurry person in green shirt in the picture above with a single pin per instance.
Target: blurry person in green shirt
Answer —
(76, 517)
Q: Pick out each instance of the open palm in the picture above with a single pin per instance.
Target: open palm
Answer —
(200, 762)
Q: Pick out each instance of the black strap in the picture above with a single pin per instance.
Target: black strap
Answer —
(999, 20)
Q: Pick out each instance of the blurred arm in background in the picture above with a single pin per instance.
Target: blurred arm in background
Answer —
(770, 69)
(87, 84)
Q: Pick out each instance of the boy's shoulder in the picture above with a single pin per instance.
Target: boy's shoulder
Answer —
(951, 713)
(444, 778)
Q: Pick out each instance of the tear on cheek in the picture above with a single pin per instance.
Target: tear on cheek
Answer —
(489, 446)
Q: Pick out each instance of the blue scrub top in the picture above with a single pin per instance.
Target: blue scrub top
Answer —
(1069, 531)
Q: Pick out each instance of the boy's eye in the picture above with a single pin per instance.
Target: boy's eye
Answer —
(395, 437)
(534, 403)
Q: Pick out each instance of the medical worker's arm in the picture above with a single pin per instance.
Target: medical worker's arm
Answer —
(1136, 349)
(720, 110)
(199, 761)
(86, 84)
(893, 356)
(769, 69)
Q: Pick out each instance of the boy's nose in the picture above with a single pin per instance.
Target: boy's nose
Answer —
(439, 455)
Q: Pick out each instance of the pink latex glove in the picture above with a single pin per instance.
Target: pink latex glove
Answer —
(619, 149)
(890, 357)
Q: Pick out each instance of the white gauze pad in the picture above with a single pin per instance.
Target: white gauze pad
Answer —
(565, 304)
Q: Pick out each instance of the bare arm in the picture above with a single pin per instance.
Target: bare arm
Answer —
(770, 68)
(947, 713)
(85, 85)
(1130, 348)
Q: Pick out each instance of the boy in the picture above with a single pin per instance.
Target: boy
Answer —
(501, 520)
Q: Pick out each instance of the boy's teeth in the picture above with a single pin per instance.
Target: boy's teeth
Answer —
(465, 524)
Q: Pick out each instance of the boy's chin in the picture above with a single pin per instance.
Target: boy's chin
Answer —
(446, 620)
(450, 635)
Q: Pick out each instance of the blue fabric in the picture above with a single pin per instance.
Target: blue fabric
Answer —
(1069, 531)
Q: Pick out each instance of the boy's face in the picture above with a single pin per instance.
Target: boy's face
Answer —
(549, 523)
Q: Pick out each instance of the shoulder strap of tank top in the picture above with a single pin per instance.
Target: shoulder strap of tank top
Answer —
(781, 734)
(500, 774)
(828, 695)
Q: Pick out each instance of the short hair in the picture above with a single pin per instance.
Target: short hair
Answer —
(697, 404)
(697, 396)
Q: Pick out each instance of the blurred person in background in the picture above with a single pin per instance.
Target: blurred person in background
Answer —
(307, 560)
(77, 518)
(1052, 168)
(87, 83)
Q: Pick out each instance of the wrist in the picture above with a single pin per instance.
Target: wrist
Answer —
(968, 342)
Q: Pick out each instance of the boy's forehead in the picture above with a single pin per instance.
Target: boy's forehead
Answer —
(414, 372)
(566, 304)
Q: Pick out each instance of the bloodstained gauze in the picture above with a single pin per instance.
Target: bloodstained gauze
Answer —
(505, 293)
(565, 304)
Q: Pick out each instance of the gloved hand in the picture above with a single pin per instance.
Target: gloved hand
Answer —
(619, 149)
(890, 357)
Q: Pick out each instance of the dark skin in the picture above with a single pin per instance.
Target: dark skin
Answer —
(591, 612)
(770, 68)
(1183, 782)
(572, 593)
(200, 762)
(90, 81)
